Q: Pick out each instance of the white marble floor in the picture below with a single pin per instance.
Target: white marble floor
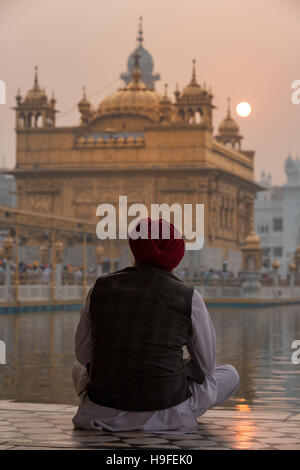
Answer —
(46, 426)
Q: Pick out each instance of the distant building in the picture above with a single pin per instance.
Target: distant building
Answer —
(277, 216)
(7, 190)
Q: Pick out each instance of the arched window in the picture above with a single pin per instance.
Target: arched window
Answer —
(30, 120)
(38, 120)
(181, 114)
(226, 217)
(191, 118)
(21, 120)
(198, 117)
(221, 214)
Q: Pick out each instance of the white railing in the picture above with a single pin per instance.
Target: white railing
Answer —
(3, 294)
(34, 292)
(236, 292)
(68, 292)
(215, 292)
(41, 292)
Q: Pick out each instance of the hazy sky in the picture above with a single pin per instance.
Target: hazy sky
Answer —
(246, 49)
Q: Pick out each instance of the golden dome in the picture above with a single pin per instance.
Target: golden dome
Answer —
(228, 126)
(252, 242)
(292, 266)
(84, 102)
(275, 264)
(252, 238)
(36, 94)
(193, 88)
(99, 250)
(135, 98)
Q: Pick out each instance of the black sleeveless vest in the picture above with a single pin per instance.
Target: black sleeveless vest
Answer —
(141, 318)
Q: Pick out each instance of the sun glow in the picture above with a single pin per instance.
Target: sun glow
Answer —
(243, 109)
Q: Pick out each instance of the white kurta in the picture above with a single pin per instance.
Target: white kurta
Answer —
(220, 383)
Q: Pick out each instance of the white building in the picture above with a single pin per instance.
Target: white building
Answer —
(277, 216)
(7, 191)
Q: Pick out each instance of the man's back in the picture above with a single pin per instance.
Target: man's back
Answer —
(141, 318)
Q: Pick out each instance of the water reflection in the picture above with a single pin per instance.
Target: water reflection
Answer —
(40, 353)
(258, 343)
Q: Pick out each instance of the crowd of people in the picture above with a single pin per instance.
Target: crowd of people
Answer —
(31, 273)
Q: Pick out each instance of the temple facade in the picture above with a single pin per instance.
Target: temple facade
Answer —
(142, 144)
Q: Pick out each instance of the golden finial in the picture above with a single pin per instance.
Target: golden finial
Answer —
(36, 80)
(275, 264)
(84, 92)
(136, 73)
(166, 90)
(140, 37)
(228, 108)
(292, 266)
(177, 92)
(194, 71)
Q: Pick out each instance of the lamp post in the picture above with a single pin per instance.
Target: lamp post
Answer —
(84, 266)
(53, 266)
(251, 265)
(44, 253)
(99, 253)
(7, 247)
(17, 264)
(275, 266)
(111, 255)
(297, 263)
(58, 249)
(292, 269)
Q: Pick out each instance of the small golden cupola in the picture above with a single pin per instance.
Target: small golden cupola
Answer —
(84, 107)
(166, 107)
(229, 131)
(194, 104)
(132, 107)
(251, 250)
(35, 110)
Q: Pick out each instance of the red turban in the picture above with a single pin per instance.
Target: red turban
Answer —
(165, 251)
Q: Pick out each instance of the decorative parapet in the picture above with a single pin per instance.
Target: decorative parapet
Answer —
(120, 140)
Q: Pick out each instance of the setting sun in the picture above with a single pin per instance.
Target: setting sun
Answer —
(243, 109)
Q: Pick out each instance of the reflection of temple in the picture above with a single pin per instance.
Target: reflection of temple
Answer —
(138, 142)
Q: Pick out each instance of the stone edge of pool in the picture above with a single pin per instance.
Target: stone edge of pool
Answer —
(14, 307)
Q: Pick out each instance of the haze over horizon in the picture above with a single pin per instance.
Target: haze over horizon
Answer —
(245, 50)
